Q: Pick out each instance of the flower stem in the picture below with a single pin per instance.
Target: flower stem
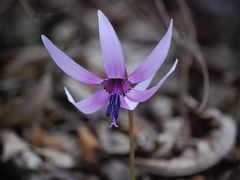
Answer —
(131, 143)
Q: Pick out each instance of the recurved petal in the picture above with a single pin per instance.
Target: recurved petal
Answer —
(152, 63)
(141, 96)
(92, 103)
(70, 67)
(112, 54)
(130, 105)
(124, 104)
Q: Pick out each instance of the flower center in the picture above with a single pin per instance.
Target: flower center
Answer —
(117, 88)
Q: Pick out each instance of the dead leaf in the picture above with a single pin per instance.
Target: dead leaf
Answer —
(27, 108)
(89, 144)
(56, 141)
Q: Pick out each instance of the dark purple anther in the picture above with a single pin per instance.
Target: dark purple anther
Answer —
(116, 111)
(109, 108)
(114, 105)
(116, 88)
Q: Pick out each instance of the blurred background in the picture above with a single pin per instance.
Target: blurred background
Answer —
(187, 131)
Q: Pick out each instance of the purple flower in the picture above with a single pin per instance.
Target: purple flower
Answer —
(117, 89)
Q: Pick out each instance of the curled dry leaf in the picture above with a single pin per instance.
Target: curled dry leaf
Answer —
(206, 153)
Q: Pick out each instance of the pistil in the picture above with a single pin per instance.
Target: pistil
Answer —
(113, 109)
(116, 88)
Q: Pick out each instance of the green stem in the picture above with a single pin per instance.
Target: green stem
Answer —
(131, 143)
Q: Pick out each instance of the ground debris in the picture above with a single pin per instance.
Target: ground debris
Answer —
(89, 145)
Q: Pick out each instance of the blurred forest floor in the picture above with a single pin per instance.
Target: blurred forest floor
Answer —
(187, 131)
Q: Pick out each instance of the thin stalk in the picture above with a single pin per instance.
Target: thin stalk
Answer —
(131, 143)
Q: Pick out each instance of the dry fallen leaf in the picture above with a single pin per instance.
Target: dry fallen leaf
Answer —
(200, 154)
(89, 144)
(27, 108)
(55, 141)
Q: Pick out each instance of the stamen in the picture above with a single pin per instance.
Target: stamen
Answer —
(116, 88)
(115, 99)
(116, 107)
(109, 108)
(116, 111)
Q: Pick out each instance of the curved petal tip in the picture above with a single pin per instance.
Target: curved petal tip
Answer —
(69, 66)
(43, 37)
(90, 104)
(99, 12)
(174, 65)
(69, 96)
(141, 96)
(112, 54)
(154, 60)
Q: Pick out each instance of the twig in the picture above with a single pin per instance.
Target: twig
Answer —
(184, 79)
(29, 10)
(189, 43)
(197, 52)
(188, 21)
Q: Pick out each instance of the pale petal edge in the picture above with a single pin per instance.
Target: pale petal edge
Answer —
(92, 103)
(70, 67)
(141, 96)
(154, 60)
(130, 105)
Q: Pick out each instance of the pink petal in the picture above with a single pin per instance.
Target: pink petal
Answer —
(112, 54)
(141, 96)
(144, 85)
(70, 67)
(92, 103)
(124, 104)
(152, 63)
(130, 105)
